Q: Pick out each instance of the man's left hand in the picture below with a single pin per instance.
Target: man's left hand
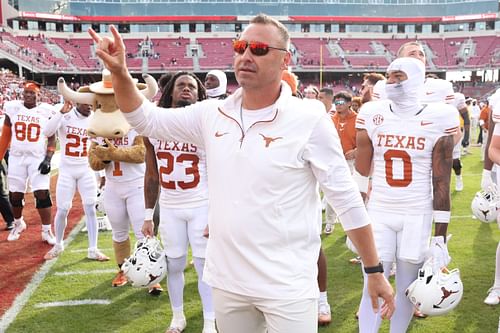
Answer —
(44, 167)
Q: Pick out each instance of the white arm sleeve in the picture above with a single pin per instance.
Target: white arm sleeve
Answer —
(53, 124)
(324, 153)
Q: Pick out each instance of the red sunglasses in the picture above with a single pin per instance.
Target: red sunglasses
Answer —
(257, 48)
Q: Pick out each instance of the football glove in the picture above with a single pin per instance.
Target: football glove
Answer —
(438, 250)
(486, 180)
(44, 167)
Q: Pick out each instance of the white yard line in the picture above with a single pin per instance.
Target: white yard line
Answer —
(21, 300)
(96, 271)
(74, 303)
(463, 217)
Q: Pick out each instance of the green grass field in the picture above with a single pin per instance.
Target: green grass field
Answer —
(132, 310)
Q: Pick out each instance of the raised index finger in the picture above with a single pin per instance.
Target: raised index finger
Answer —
(95, 36)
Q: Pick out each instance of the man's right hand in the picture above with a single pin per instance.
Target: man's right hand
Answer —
(66, 107)
(110, 50)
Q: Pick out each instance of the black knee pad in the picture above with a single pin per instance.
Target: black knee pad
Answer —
(42, 199)
(16, 199)
(457, 165)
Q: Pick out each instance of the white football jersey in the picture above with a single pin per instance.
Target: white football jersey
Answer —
(437, 91)
(27, 127)
(495, 106)
(402, 153)
(123, 172)
(183, 174)
(73, 139)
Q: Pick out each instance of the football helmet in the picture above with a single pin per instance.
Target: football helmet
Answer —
(147, 265)
(485, 205)
(435, 293)
(99, 204)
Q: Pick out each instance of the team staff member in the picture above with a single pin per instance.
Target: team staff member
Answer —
(29, 157)
(266, 153)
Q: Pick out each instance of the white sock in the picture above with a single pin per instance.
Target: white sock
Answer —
(497, 268)
(175, 282)
(18, 221)
(204, 290)
(177, 317)
(60, 224)
(458, 178)
(209, 324)
(91, 222)
(46, 227)
(405, 275)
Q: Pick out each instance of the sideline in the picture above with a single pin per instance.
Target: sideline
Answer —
(21, 299)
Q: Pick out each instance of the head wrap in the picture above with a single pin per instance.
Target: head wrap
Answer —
(405, 95)
(31, 85)
(221, 89)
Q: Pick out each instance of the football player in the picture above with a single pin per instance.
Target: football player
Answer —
(437, 90)
(29, 158)
(70, 124)
(180, 169)
(406, 141)
(487, 181)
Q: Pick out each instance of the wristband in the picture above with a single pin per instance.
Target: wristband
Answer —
(374, 269)
(442, 216)
(148, 214)
(486, 173)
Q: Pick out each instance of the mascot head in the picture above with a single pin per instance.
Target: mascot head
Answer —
(107, 121)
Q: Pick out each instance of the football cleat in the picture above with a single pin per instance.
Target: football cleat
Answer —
(119, 280)
(15, 233)
(493, 297)
(155, 290)
(96, 254)
(54, 252)
(177, 325)
(48, 237)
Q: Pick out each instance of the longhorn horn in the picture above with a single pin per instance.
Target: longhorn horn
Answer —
(151, 86)
(70, 95)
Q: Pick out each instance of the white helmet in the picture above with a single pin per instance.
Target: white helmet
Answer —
(99, 204)
(147, 265)
(435, 293)
(485, 204)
